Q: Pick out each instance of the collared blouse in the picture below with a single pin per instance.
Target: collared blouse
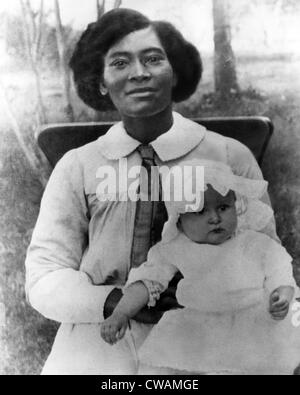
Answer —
(81, 246)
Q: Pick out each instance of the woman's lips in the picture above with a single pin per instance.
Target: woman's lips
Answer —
(141, 92)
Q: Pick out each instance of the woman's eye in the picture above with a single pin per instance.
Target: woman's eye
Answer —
(119, 64)
(153, 59)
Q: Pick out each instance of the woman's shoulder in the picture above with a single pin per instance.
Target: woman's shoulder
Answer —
(79, 166)
(90, 152)
(224, 148)
(83, 158)
(211, 146)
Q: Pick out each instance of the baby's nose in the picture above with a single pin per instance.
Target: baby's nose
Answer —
(214, 217)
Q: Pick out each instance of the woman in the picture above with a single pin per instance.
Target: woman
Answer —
(81, 250)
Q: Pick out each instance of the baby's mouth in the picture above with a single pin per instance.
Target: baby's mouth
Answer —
(218, 231)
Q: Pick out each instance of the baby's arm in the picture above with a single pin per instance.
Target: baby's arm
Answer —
(144, 286)
(135, 297)
(280, 301)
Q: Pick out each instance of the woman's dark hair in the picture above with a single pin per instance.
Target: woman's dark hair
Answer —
(87, 61)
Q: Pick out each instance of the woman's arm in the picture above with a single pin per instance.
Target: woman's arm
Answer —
(54, 285)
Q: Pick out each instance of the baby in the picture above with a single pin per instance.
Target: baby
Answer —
(237, 287)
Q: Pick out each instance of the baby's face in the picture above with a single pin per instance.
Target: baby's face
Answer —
(217, 221)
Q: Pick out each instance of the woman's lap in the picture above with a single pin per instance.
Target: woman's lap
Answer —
(80, 350)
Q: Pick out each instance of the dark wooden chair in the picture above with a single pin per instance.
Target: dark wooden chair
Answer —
(57, 139)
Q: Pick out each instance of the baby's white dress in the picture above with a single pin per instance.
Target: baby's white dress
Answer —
(225, 326)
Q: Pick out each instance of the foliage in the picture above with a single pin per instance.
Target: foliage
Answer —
(15, 43)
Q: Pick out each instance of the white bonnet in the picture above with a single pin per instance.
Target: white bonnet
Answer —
(188, 196)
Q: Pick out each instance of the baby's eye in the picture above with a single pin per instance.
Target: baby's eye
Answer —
(224, 207)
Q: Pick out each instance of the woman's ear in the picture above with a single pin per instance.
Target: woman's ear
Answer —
(103, 89)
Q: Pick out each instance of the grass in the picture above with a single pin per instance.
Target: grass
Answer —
(266, 82)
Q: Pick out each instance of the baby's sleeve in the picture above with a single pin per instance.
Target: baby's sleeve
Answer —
(155, 273)
(278, 266)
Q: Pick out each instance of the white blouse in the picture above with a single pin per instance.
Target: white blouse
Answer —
(80, 248)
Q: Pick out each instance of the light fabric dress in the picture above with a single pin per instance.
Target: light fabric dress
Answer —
(81, 246)
(225, 326)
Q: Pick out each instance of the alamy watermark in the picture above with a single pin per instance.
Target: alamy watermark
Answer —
(179, 183)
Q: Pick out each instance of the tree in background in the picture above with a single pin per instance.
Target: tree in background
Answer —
(101, 7)
(64, 68)
(31, 40)
(15, 44)
(224, 62)
(32, 28)
(32, 31)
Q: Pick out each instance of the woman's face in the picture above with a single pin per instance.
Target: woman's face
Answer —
(138, 75)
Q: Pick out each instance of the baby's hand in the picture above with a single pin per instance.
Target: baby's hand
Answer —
(280, 302)
(114, 327)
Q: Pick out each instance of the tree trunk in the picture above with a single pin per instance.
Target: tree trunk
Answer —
(117, 3)
(32, 41)
(61, 45)
(224, 62)
(100, 8)
(39, 32)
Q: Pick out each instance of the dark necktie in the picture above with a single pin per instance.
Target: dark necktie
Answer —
(151, 213)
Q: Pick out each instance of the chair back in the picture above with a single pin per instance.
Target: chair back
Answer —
(56, 140)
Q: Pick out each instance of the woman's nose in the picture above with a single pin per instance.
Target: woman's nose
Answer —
(139, 72)
(214, 218)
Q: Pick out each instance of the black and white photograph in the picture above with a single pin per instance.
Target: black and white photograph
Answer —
(149, 189)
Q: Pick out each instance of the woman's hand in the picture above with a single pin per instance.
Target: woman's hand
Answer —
(113, 328)
(280, 301)
(148, 316)
(168, 299)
